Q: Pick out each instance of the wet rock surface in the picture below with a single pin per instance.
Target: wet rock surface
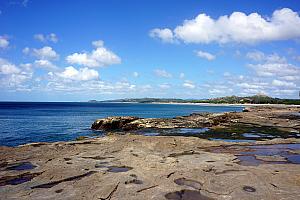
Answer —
(257, 123)
(140, 167)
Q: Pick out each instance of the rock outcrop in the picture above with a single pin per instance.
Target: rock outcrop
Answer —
(115, 123)
(281, 118)
(194, 120)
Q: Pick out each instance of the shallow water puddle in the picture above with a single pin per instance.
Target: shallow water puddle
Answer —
(113, 169)
(21, 166)
(186, 195)
(19, 179)
(237, 133)
(116, 169)
(173, 132)
(263, 154)
(231, 140)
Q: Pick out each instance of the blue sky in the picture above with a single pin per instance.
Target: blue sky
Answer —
(81, 50)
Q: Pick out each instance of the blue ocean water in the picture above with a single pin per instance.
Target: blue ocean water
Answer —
(26, 122)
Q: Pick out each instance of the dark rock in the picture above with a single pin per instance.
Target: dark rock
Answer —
(114, 123)
(246, 110)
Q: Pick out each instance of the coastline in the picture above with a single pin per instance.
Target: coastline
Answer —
(212, 104)
(123, 165)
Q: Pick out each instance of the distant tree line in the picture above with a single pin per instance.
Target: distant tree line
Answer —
(256, 99)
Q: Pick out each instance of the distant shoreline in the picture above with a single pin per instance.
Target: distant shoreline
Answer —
(226, 104)
(206, 104)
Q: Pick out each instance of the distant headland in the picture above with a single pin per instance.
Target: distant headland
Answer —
(256, 99)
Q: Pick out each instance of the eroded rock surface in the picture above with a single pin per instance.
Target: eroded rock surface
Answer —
(140, 167)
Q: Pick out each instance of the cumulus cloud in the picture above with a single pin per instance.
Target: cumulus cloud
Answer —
(162, 73)
(83, 74)
(46, 38)
(237, 27)
(3, 42)
(205, 55)
(11, 76)
(166, 35)
(46, 64)
(87, 86)
(99, 57)
(217, 89)
(8, 68)
(276, 66)
(273, 75)
(26, 66)
(189, 84)
(259, 56)
(256, 55)
(280, 83)
(45, 53)
(253, 85)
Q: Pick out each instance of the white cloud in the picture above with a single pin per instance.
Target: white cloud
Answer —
(215, 91)
(45, 38)
(259, 56)
(273, 66)
(238, 27)
(12, 77)
(135, 74)
(100, 87)
(15, 81)
(39, 37)
(26, 50)
(255, 55)
(253, 85)
(166, 35)
(8, 68)
(45, 53)
(52, 37)
(280, 83)
(164, 86)
(276, 69)
(83, 74)
(26, 66)
(189, 84)
(206, 55)
(97, 58)
(98, 43)
(46, 64)
(3, 42)
(162, 73)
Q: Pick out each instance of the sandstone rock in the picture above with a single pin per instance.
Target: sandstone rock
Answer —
(137, 167)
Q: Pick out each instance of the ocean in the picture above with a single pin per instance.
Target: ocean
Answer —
(26, 122)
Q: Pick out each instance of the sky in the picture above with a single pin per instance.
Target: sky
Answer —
(80, 50)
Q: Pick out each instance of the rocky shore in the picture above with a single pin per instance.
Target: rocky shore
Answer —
(282, 119)
(163, 167)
